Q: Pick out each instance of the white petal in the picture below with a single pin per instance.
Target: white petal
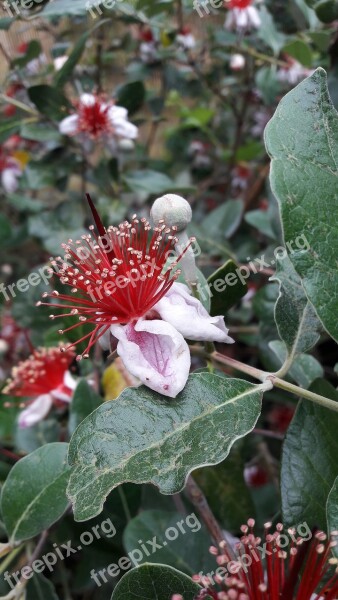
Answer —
(156, 353)
(87, 99)
(65, 391)
(242, 17)
(189, 317)
(70, 381)
(69, 125)
(117, 112)
(126, 130)
(254, 17)
(9, 179)
(36, 411)
(59, 61)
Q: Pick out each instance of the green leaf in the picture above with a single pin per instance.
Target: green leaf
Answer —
(225, 219)
(309, 464)
(40, 588)
(296, 320)
(7, 419)
(302, 141)
(261, 220)
(304, 368)
(40, 132)
(301, 51)
(155, 582)
(49, 101)
(226, 491)
(147, 180)
(188, 548)
(5, 229)
(63, 7)
(142, 437)
(226, 288)
(30, 438)
(332, 510)
(84, 401)
(268, 32)
(326, 10)
(131, 96)
(33, 496)
(8, 127)
(6, 22)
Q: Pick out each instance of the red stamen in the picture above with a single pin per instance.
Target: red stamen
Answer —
(118, 276)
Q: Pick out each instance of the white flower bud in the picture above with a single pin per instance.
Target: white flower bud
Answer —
(237, 62)
(173, 209)
(3, 347)
(126, 145)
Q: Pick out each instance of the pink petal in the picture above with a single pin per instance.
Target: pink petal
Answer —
(179, 308)
(156, 353)
(36, 411)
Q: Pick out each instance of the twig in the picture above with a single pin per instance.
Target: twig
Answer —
(199, 501)
(270, 434)
(265, 377)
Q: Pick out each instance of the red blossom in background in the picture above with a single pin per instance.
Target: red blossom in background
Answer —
(42, 372)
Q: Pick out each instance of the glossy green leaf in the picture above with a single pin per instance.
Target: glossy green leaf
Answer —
(33, 496)
(300, 51)
(142, 437)
(309, 464)
(40, 588)
(131, 96)
(326, 10)
(304, 368)
(49, 101)
(84, 401)
(226, 289)
(155, 582)
(295, 317)
(179, 545)
(302, 141)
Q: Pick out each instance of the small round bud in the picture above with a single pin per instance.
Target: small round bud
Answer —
(3, 346)
(174, 210)
(126, 145)
(237, 62)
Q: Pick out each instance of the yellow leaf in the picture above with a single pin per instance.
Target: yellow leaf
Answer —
(115, 379)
